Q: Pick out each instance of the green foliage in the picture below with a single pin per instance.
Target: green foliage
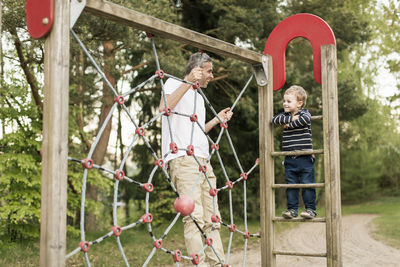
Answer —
(20, 187)
(386, 26)
(162, 205)
(366, 167)
(20, 170)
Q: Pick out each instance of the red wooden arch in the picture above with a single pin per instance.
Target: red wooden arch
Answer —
(39, 17)
(309, 26)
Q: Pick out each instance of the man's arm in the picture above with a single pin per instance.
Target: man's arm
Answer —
(174, 98)
(224, 115)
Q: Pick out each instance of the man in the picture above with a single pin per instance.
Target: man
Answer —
(184, 169)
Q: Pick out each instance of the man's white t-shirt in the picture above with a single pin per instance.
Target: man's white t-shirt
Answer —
(181, 126)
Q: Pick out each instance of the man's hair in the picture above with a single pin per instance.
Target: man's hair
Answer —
(195, 59)
(298, 92)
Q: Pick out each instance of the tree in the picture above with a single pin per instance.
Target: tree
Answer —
(386, 26)
(371, 151)
(21, 118)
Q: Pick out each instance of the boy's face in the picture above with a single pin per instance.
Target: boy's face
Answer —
(207, 69)
(291, 104)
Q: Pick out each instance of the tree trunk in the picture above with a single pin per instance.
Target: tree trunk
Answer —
(79, 90)
(30, 78)
(101, 148)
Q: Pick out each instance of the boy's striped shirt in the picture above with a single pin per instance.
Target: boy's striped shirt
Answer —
(298, 135)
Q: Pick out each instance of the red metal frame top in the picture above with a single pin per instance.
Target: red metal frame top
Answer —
(39, 17)
(309, 26)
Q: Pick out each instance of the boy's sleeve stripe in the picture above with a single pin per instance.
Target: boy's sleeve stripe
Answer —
(304, 121)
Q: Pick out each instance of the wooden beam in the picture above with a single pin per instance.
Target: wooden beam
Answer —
(295, 253)
(296, 152)
(331, 155)
(158, 27)
(315, 220)
(55, 140)
(316, 185)
(267, 196)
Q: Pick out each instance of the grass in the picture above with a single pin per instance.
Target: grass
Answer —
(137, 242)
(19, 254)
(137, 245)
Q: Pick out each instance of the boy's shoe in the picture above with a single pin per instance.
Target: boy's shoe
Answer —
(308, 214)
(289, 214)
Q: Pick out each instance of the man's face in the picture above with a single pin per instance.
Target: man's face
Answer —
(291, 104)
(207, 74)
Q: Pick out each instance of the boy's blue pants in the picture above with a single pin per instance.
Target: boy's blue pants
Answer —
(300, 170)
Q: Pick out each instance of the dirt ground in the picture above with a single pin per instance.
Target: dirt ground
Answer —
(359, 248)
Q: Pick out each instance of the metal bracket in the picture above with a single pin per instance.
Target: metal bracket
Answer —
(39, 17)
(261, 71)
(76, 9)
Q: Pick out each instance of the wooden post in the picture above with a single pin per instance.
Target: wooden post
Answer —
(267, 196)
(331, 155)
(55, 140)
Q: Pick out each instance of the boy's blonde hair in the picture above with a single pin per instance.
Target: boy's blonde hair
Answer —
(299, 92)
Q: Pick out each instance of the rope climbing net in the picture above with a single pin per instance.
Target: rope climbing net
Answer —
(119, 175)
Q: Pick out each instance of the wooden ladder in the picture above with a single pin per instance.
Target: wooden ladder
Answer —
(331, 168)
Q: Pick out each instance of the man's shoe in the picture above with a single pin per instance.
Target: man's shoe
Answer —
(308, 214)
(289, 214)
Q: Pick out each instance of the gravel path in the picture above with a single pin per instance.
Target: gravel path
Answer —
(359, 248)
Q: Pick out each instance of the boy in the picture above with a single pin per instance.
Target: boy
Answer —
(296, 122)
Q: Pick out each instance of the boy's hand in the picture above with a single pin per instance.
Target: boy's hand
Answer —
(286, 126)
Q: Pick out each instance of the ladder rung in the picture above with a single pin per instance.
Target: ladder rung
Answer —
(281, 219)
(294, 253)
(296, 152)
(314, 118)
(316, 185)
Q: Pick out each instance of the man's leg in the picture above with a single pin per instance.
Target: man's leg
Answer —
(184, 173)
(217, 256)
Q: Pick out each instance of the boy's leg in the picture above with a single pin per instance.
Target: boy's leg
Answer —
(208, 208)
(184, 173)
(307, 176)
(291, 177)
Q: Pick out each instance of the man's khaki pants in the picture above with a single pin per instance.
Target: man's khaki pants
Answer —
(184, 174)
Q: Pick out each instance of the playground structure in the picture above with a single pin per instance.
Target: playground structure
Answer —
(55, 127)
(184, 204)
